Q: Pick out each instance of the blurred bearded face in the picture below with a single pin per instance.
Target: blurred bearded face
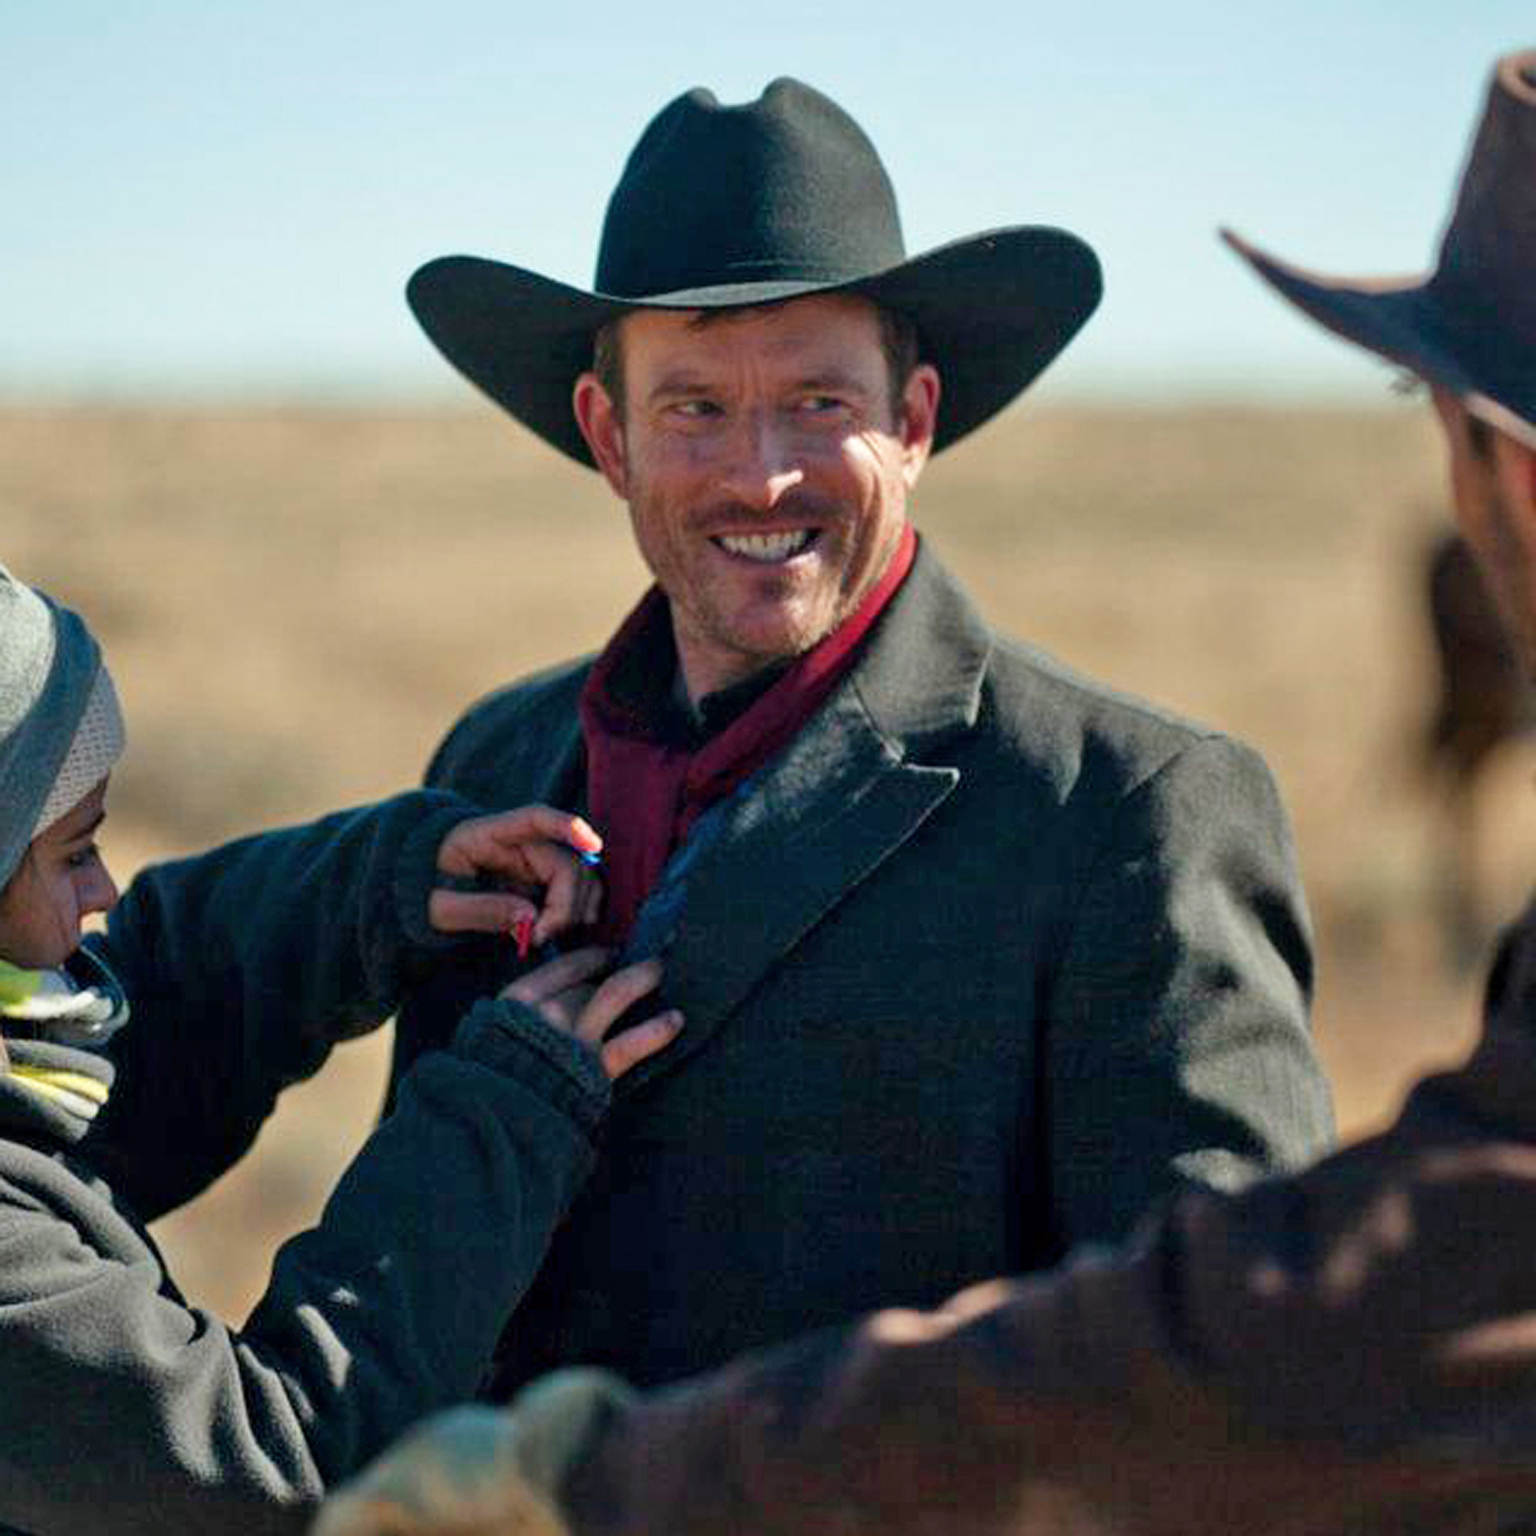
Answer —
(766, 461)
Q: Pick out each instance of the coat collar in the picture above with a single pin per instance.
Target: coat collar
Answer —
(920, 676)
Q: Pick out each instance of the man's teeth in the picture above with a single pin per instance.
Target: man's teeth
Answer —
(766, 546)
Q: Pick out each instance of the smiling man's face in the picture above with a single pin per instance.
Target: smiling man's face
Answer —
(766, 466)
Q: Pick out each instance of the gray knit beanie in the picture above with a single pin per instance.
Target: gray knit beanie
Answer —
(61, 728)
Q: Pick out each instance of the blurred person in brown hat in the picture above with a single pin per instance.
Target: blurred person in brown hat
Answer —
(1347, 1350)
(978, 957)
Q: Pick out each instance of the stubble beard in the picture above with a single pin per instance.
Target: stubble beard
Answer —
(710, 616)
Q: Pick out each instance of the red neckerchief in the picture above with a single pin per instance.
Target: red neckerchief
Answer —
(643, 792)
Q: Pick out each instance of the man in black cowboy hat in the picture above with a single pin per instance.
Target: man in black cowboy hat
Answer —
(976, 958)
(1347, 1350)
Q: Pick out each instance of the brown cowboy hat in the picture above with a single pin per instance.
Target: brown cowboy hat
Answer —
(730, 206)
(1470, 326)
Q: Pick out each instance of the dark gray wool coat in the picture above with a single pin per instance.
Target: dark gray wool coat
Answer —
(126, 1412)
(986, 961)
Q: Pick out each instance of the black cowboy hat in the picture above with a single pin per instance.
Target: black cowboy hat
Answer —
(1470, 326)
(777, 199)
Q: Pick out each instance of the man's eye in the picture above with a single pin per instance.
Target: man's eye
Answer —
(83, 858)
(819, 405)
(695, 410)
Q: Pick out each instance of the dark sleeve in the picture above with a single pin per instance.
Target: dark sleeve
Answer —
(242, 968)
(1347, 1349)
(520, 745)
(1177, 1049)
(127, 1412)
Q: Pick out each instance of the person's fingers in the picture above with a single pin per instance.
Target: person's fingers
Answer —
(567, 882)
(558, 975)
(559, 990)
(634, 1045)
(478, 911)
(499, 843)
(614, 997)
(533, 846)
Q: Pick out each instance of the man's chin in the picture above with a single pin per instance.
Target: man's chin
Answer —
(772, 646)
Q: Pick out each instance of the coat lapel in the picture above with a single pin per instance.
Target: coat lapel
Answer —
(855, 784)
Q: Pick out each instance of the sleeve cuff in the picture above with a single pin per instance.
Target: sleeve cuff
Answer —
(416, 873)
(512, 1037)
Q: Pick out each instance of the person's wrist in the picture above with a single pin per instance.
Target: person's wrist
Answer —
(514, 1038)
(416, 869)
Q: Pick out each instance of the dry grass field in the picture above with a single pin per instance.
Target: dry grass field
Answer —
(296, 604)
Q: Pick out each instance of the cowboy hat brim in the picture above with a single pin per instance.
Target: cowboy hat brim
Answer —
(992, 311)
(1405, 320)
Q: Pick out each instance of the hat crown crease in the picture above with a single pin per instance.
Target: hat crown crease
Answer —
(786, 188)
(1495, 216)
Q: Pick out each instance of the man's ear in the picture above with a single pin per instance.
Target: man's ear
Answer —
(918, 417)
(603, 430)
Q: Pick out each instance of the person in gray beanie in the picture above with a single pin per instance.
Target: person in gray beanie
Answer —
(61, 731)
(137, 1066)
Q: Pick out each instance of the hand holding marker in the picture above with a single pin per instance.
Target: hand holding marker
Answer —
(522, 930)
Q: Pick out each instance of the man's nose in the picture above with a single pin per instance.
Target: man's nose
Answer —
(764, 463)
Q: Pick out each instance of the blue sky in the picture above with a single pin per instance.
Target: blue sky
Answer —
(206, 198)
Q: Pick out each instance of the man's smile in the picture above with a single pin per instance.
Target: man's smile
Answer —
(767, 548)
